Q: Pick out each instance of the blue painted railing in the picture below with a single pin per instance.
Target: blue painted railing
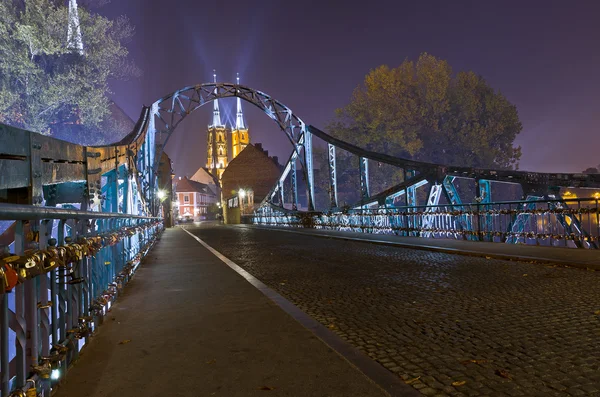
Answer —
(63, 272)
(565, 222)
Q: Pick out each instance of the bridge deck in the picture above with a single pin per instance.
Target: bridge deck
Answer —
(189, 325)
(581, 258)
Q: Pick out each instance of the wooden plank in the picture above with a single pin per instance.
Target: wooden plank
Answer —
(58, 150)
(62, 172)
(13, 141)
(14, 174)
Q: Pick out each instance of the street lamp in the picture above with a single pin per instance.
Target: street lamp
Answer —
(162, 195)
(242, 193)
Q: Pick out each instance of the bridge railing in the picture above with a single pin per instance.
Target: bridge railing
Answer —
(58, 279)
(565, 222)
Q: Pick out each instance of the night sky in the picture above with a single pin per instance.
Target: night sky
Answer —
(542, 55)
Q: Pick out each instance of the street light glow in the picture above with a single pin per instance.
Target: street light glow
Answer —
(162, 194)
(242, 193)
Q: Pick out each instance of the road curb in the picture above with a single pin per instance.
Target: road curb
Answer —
(446, 250)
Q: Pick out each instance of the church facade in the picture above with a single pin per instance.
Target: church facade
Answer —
(217, 156)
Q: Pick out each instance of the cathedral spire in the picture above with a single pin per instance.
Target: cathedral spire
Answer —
(216, 113)
(74, 40)
(239, 121)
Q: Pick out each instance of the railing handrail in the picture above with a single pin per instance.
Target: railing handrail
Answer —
(19, 212)
(475, 204)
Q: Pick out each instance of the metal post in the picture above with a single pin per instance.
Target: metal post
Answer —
(333, 196)
(281, 193)
(364, 177)
(411, 199)
(4, 329)
(21, 325)
(31, 319)
(294, 176)
(484, 189)
(308, 161)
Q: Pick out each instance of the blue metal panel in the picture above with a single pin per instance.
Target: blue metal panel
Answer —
(520, 221)
(464, 221)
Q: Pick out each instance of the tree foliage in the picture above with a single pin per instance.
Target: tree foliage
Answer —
(45, 86)
(425, 112)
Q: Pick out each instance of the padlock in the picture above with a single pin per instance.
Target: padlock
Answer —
(8, 277)
(53, 259)
(32, 391)
(43, 370)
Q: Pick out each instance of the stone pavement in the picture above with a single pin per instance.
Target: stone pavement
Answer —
(188, 325)
(448, 325)
(583, 258)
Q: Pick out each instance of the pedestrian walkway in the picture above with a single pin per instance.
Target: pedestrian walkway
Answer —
(582, 258)
(188, 325)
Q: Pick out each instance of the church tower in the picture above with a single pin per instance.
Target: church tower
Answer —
(74, 40)
(240, 138)
(217, 141)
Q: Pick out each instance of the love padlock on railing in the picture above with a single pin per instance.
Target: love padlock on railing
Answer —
(9, 278)
(44, 369)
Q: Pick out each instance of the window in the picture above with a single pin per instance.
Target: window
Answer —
(186, 198)
(233, 202)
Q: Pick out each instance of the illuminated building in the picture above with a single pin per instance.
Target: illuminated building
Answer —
(217, 158)
(240, 137)
(243, 188)
(193, 199)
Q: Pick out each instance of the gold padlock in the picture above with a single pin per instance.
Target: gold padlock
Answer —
(32, 392)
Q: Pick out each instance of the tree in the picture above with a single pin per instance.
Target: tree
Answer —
(212, 211)
(425, 112)
(592, 170)
(44, 85)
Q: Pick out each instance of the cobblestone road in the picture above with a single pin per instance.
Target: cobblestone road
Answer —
(448, 325)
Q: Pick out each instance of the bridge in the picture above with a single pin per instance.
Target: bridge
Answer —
(77, 222)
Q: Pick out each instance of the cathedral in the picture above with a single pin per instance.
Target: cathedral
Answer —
(218, 142)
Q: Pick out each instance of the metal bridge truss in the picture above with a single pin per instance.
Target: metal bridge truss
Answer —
(465, 216)
(106, 196)
(549, 220)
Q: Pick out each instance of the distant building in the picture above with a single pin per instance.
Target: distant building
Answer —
(194, 199)
(205, 177)
(217, 157)
(247, 181)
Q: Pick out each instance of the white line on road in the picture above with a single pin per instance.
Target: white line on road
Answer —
(375, 372)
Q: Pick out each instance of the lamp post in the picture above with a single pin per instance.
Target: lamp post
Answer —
(242, 194)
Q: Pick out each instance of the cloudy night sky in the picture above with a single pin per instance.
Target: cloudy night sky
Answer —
(310, 55)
